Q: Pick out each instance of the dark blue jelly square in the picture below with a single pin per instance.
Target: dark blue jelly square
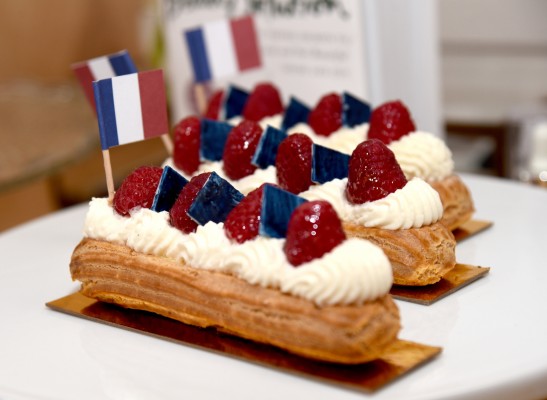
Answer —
(266, 151)
(214, 201)
(277, 207)
(171, 183)
(213, 138)
(236, 98)
(295, 113)
(328, 164)
(354, 111)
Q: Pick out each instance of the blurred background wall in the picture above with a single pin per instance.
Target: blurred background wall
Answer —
(493, 64)
(50, 154)
(40, 39)
(494, 81)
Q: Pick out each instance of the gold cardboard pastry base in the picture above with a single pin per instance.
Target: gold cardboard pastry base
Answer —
(470, 228)
(460, 276)
(399, 359)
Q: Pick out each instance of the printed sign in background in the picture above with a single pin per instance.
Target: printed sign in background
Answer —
(310, 48)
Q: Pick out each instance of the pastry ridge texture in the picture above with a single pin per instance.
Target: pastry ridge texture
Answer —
(458, 205)
(418, 256)
(342, 334)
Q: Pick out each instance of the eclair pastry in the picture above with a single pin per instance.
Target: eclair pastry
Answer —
(401, 217)
(343, 334)
(335, 307)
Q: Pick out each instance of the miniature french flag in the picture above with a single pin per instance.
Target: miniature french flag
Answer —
(223, 48)
(131, 108)
(103, 67)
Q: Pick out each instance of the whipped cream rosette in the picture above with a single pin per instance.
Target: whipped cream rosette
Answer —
(423, 155)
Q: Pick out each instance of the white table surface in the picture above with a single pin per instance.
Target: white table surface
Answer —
(493, 332)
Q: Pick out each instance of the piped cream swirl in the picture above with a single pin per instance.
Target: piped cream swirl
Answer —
(151, 233)
(344, 139)
(260, 261)
(205, 248)
(102, 222)
(341, 276)
(244, 185)
(423, 155)
(274, 121)
(413, 206)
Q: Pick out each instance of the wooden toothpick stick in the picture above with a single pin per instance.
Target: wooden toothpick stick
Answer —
(200, 93)
(108, 173)
(168, 143)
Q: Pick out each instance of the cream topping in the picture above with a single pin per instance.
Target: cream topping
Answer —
(260, 261)
(274, 121)
(353, 272)
(244, 185)
(103, 222)
(423, 155)
(413, 206)
(341, 276)
(205, 248)
(344, 139)
(160, 237)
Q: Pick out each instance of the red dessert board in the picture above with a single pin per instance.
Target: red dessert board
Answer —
(399, 359)
(459, 277)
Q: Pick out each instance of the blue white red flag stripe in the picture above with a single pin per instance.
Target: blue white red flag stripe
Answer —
(223, 48)
(198, 55)
(220, 48)
(246, 43)
(103, 67)
(131, 108)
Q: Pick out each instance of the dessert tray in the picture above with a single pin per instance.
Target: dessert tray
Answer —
(401, 358)
(50, 354)
(398, 360)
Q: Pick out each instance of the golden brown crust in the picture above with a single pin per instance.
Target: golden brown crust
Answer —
(418, 256)
(342, 334)
(457, 202)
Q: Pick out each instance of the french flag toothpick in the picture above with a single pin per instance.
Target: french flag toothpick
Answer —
(130, 108)
(223, 48)
(103, 67)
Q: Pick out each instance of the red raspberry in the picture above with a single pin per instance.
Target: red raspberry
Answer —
(137, 190)
(314, 229)
(178, 214)
(326, 117)
(390, 121)
(373, 172)
(213, 107)
(243, 221)
(186, 147)
(264, 101)
(240, 148)
(293, 163)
